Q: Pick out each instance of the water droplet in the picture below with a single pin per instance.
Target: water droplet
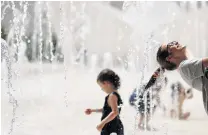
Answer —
(173, 25)
(113, 134)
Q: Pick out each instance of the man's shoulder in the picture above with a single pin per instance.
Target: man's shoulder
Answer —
(191, 68)
(190, 63)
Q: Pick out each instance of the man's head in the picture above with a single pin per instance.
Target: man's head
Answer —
(169, 56)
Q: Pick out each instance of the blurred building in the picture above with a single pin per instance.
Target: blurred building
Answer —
(127, 30)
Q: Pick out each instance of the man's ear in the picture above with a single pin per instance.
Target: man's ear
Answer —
(168, 58)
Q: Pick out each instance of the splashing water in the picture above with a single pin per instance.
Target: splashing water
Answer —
(110, 37)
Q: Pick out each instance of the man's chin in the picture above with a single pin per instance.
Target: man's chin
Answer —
(183, 48)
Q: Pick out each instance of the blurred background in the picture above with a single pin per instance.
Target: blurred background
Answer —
(55, 50)
(126, 31)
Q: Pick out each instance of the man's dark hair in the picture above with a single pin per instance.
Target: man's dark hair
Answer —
(161, 59)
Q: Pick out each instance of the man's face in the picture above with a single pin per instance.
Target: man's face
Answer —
(175, 50)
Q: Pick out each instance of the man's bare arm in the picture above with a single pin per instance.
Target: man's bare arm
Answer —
(205, 62)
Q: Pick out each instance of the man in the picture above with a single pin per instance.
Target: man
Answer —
(194, 71)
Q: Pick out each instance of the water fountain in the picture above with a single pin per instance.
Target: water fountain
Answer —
(96, 35)
(107, 60)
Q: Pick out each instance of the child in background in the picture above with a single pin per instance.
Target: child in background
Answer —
(143, 99)
(178, 96)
